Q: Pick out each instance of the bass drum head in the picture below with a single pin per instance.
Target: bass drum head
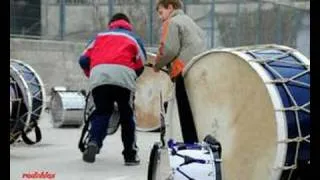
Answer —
(147, 98)
(230, 102)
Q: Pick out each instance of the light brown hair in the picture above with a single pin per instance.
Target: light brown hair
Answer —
(176, 4)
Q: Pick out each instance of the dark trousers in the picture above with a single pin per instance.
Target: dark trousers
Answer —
(104, 97)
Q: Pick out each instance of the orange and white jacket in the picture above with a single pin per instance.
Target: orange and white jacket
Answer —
(181, 40)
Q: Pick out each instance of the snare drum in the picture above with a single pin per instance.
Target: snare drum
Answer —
(67, 108)
(28, 90)
(200, 161)
(147, 97)
(256, 101)
(194, 161)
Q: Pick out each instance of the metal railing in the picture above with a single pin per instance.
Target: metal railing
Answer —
(227, 23)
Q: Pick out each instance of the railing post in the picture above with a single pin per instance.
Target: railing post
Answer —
(279, 25)
(110, 4)
(239, 23)
(212, 20)
(150, 35)
(259, 19)
(62, 19)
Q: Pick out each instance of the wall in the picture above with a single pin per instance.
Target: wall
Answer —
(56, 62)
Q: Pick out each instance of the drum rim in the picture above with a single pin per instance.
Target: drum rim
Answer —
(280, 116)
(28, 102)
(11, 99)
(43, 92)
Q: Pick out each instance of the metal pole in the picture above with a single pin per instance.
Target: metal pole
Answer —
(62, 19)
(110, 8)
(150, 23)
(12, 18)
(279, 25)
(297, 18)
(212, 19)
(239, 23)
(259, 19)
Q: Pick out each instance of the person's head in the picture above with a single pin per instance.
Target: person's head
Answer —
(166, 7)
(119, 16)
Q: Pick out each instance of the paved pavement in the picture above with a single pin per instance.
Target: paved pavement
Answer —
(57, 153)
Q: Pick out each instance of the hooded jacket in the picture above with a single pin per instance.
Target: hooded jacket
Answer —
(116, 56)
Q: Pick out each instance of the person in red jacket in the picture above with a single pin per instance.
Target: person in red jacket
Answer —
(113, 61)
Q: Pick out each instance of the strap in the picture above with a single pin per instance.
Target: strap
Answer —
(37, 132)
(162, 122)
(187, 125)
(81, 143)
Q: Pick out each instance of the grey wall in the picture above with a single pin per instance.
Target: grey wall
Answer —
(56, 62)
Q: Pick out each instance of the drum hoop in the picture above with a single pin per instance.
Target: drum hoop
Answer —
(43, 92)
(273, 92)
(28, 101)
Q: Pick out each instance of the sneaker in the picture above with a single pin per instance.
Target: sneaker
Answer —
(89, 155)
(132, 161)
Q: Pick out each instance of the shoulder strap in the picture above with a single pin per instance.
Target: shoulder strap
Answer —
(187, 124)
(37, 132)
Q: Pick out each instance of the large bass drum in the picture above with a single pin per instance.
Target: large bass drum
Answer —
(27, 97)
(254, 100)
(147, 97)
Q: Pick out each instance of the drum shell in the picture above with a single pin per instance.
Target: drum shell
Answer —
(67, 108)
(232, 99)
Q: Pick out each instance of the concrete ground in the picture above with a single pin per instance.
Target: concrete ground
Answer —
(57, 153)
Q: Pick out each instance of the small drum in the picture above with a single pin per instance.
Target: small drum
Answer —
(27, 97)
(256, 101)
(147, 98)
(186, 161)
(67, 108)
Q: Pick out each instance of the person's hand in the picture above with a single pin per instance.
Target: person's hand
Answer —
(155, 69)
